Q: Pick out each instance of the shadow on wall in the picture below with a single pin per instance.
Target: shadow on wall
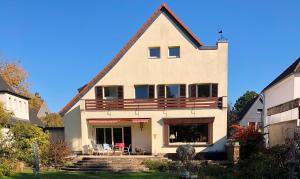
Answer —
(72, 124)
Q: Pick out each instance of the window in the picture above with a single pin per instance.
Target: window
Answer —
(111, 92)
(154, 52)
(188, 133)
(204, 90)
(174, 52)
(252, 124)
(172, 91)
(141, 92)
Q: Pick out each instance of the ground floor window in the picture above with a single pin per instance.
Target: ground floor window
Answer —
(195, 131)
(113, 135)
(188, 133)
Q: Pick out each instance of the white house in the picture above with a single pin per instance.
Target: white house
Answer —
(14, 102)
(163, 89)
(252, 113)
(282, 105)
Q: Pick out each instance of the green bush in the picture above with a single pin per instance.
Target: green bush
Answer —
(159, 165)
(24, 135)
(271, 163)
(214, 171)
(7, 166)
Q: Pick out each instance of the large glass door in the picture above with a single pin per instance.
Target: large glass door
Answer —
(110, 135)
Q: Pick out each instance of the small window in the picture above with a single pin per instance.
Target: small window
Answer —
(111, 92)
(141, 92)
(172, 91)
(174, 52)
(154, 52)
(204, 90)
(253, 124)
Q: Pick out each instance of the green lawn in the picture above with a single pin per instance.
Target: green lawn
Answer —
(77, 175)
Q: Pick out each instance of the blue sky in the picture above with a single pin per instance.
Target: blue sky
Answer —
(64, 43)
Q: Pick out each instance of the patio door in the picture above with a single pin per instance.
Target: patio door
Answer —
(113, 135)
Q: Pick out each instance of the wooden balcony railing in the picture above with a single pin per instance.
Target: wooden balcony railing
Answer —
(152, 104)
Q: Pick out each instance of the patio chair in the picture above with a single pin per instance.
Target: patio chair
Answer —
(96, 149)
(106, 148)
(127, 149)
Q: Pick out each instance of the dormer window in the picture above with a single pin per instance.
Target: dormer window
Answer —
(174, 52)
(154, 52)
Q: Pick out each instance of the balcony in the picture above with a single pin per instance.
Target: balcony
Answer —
(154, 104)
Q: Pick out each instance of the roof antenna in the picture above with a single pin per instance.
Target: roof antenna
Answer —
(222, 38)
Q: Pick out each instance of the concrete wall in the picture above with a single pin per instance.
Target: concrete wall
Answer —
(193, 66)
(17, 105)
(280, 131)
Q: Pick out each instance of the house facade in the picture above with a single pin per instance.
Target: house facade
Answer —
(162, 90)
(253, 113)
(282, 105)
(14, 102)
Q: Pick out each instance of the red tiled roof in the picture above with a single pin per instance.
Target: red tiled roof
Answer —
(162, 7)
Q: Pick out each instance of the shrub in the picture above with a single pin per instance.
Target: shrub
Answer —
(214, 171)
(250, 139)
(7, 166)
(185, 153)
(159, 165)
(270, 163)
(24, 135)
(57, 153)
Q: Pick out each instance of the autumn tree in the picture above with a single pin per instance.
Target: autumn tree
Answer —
(53, 120)
(16, 76)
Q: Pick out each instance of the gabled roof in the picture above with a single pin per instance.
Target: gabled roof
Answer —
(248, 107)
(295, 67)
(162, 8)
(5, 88)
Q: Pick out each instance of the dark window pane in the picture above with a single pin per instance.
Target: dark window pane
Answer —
(108, 138)
(174, 52)
(141, 92)
(117, 135)
(172, 91)
(186, 133)
(204, 90)
(99, 135)
(110, 92)
(214, 90)
(154, 52)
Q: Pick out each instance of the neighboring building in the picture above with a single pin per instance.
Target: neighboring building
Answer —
(14, 102)
(282, 105)
(35, 116)
(252, 113)
(162, 90)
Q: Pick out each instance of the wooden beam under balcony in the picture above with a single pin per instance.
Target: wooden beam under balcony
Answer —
(152, 104)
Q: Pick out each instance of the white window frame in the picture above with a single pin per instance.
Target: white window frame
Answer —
(174, 56)
(154, 57)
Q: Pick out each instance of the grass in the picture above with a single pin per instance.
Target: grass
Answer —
(80, 175)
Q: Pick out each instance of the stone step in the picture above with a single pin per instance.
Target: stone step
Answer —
(105, 169)
(105, 165)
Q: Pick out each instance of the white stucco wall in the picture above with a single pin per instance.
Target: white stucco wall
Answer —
(253, 115)
(193, 66)
(15, 104)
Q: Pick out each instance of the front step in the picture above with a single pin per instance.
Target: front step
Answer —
(110, 164)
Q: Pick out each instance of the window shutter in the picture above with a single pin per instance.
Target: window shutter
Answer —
(120, 92)
(161, 91)
(182, 91)
(193, 91)
(214, 90)
(99, 92)
(151, 91)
